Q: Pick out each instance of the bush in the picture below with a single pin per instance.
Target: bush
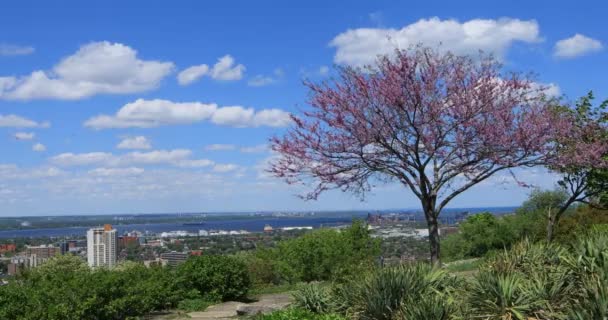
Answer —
(216, 277)
(65, 288)
(314, 298)
(478, 235)
(298, 314)
(190, 305)
(390, 292)
(319, 255)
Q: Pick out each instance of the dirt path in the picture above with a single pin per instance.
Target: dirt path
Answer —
(228, 310)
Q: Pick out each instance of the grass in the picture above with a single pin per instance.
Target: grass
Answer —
(273, 289)
(463, 267)
(190, 305)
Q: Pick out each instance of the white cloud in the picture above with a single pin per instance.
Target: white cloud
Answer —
(223, 168)
(15, 50)
(255, 149)
(81, 159)
(324, 70)
(362, 46)
(575, 46)
(154, 113)
(552, 90)
(192, 74)
(139, 142)
(96, 68)
(13, 121)
(260, 81)
(241, 117)
(225, 69)
(114, 172)
(39, 147)
(220, 147)
(197, 163)
(155, 157)
(263, 80)
(177, 157)
(271, 118)
(24, 135)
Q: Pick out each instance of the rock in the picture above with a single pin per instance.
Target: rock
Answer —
(252, 310)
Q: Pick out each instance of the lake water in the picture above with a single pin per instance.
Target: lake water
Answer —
(251, 225)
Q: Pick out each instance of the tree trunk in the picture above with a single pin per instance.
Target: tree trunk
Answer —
(433, 226)
(553, 218)
(550, 225)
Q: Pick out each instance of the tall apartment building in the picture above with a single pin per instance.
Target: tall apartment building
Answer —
(101, 247)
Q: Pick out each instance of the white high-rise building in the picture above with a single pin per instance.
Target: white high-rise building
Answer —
(101, 247)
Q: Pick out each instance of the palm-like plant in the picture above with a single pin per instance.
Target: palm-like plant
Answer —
(314, 298)
(500, 296)
(396, 292)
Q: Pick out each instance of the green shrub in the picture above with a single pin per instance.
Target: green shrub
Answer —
(320, 255)
(428, 306)
(383, 293)
(190, 305)
(298, 314)
(500, 296)
(65, 288)
(314, 298)
(216, 277)
(590, 263)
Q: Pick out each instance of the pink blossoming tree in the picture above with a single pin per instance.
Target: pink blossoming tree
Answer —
(581, 157)
(435, 122)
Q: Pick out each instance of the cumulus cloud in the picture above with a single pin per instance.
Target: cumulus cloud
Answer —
(15, 50)
(260, 81)
(81, 159)
(116, 172)
(197, 163)
(192, 74)
(264, 80)
(12, 171)
(24, 135)
(13, 121)
(225, 69)
(39, 147)
(176, 157)
(220, 147)
(575, 46)
(139, 142)
(96, 68)
(223, 168)
(154, 113)
(255, 149)
(361, 46)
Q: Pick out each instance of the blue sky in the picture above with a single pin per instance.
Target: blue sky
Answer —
(114, 108)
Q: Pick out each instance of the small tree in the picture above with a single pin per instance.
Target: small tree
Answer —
(581, 158)
(435, 122)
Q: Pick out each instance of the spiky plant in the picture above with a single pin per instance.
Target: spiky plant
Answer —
(314, 298)
(499, 296)
(428, 306)
(594, 302)
(387, 293)
(590, 266)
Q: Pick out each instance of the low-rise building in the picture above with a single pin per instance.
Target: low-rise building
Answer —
(173, 258)
(9, 247)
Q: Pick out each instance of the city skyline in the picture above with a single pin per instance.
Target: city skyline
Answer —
(132, 113)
